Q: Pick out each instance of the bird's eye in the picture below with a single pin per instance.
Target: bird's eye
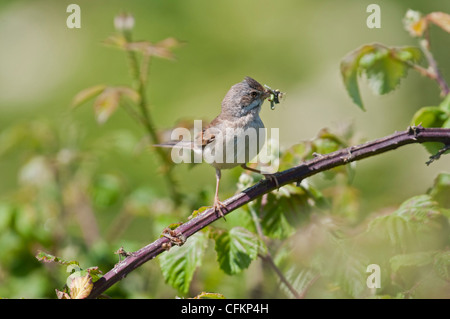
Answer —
(254, 94)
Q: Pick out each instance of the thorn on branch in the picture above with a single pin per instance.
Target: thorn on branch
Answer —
(438, 155)
(175, 239)
(414, 130)
(123, 253)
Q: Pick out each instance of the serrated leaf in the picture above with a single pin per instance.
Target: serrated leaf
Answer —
(48, 258)
(441, 190)
(350, 69)
(80, 287)
(209, 295)
(421, 208)
(299, 279)
(236, 249)
(384, 68)
(179, 264)
(87, 94)
(283, 211)
(394, 230)
(385, 72)
(417, 259)
(442, 264)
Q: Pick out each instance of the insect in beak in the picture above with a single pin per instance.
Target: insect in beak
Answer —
(274, 96)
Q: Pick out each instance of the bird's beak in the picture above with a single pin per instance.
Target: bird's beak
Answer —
(266, 94)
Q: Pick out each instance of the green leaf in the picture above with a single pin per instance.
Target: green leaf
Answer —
(417, 225)
(209, 295)
(417, 259)
(299, 279)
(350, 69)
(236, 249)
(179, 264)
(421, 208)
(283, 211)
(442, 264)
(445, 104)
(440, 191)
(430, 116)
(384, 72)
(384, 68)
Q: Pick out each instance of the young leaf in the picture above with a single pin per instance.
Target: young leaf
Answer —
(105, 104)
(440, 191)
(383, 71)
(283, 211)
(87, 94)
(445, 104)
(236, 249)
(47, 258)
(417, 259)
(383, 66)
(442, 264)
(430, 116)
(350, 69)
(179, 264)
(300, 280)
(440, 19)
(209, 295)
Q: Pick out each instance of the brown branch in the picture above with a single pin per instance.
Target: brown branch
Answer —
(433, 68)
(295, 174)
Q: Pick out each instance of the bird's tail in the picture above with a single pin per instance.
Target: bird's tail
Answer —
(176, 144)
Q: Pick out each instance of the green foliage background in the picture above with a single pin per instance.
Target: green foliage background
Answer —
(111, 192)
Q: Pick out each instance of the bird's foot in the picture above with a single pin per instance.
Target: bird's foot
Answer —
(220, 208)
(272, 178)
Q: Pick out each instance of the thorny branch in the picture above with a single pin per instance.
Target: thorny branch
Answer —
(412, 135)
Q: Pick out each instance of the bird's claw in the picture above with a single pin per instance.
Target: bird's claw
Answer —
(272, 178)
(219, 206)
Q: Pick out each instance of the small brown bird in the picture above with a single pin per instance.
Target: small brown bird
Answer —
(223, 143)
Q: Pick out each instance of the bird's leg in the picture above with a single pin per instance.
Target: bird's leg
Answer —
(218, 205)
(270, 177)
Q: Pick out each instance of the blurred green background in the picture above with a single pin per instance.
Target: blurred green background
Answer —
(292, 45)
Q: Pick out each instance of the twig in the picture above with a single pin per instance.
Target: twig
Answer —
(319, 164)
(435, 73)
(267, 258)
(140, 77)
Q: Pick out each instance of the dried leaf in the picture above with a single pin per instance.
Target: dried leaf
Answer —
(81, 287)
(47, 258)
(62, 294)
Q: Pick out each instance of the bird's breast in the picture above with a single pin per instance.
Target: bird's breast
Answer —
(237, 143)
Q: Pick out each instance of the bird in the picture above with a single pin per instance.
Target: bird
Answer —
(235, 136)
